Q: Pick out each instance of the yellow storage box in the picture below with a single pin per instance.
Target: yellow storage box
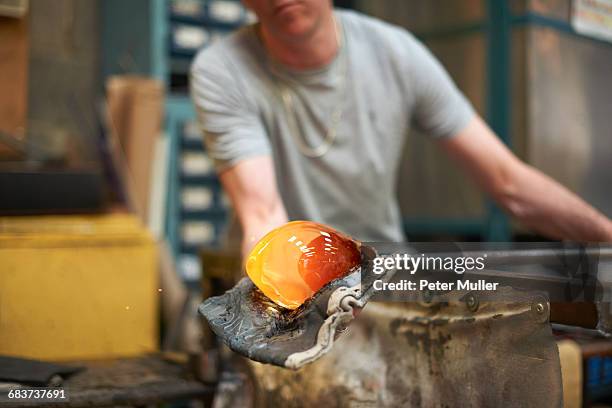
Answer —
(77, 287)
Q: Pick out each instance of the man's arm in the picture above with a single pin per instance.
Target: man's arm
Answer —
(526, 193)
(251, 186)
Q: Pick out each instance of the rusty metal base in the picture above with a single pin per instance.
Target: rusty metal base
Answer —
(483, 349)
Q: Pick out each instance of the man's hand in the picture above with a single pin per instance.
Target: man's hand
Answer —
(526, 193)
(251, 186)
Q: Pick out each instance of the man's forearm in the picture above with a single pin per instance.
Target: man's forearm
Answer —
(255, 226)
(251, 186)
(530, 196)
(552, 210)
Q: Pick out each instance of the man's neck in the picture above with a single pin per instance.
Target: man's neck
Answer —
(311, 52)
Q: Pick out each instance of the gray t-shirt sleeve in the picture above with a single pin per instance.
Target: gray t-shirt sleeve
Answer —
(232, 128)
(440, 109)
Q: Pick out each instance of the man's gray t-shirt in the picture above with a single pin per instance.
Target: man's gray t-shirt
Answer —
(394, 83)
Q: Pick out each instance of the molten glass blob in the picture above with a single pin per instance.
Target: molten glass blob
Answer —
(291, 263)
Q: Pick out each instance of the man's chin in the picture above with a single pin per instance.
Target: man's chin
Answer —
(296, 29)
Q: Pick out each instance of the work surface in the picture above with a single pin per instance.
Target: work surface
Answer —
(126, 382)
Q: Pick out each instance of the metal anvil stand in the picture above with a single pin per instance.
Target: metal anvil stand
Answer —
(482, 349)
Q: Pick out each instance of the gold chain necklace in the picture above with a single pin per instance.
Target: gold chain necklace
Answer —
(286, 97)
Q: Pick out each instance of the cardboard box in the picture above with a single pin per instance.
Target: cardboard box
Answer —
(135, 113)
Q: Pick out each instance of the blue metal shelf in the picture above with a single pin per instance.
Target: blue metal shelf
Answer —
(212, 214)
(182, 53)
(209, 179)
(204, 21)
(192, 145)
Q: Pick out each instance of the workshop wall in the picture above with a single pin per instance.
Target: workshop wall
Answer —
(559, 98)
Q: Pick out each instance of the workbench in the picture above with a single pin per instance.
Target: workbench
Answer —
(135, 382)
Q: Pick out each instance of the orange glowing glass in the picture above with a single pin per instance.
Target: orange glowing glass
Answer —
(291, 263)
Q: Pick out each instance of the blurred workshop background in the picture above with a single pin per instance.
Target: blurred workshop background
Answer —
(110, 207)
